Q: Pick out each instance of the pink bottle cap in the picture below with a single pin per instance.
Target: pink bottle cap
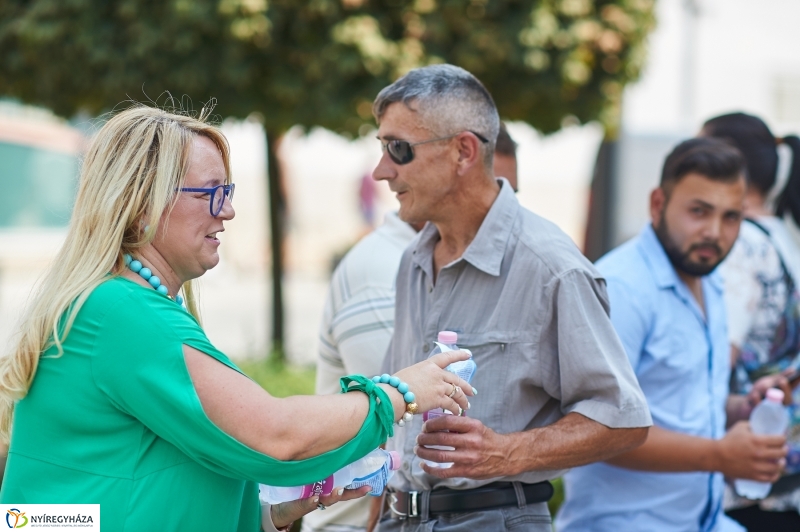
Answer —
(448, 337)
(775, 395)
(394, 460)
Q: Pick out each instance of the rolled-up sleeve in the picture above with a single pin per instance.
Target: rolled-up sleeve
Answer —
(584, 364)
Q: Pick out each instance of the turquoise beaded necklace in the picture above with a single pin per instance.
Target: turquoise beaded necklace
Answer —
(136, 267)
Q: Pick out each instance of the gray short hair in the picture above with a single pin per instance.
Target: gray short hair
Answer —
(449, 99)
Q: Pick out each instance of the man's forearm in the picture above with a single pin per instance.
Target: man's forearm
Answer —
(668, 451)
(572, 441)
(479, 452)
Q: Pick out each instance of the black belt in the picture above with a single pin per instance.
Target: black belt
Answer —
(405, 504)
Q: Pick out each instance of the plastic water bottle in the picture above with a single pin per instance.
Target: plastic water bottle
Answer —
(373, 470)
(769, 417)
(463, 368)
(364, 472)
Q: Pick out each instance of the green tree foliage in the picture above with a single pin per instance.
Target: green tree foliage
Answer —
(320, 62)
(275, 58)
(543, 60)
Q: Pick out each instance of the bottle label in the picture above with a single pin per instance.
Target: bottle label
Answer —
(464, 368)
(377, 481)
(436, 412)
(321, 487)
(442, 347)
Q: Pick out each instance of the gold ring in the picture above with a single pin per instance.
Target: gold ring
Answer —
(455, 390)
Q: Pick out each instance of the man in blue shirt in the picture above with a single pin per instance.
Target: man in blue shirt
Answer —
(667, 307)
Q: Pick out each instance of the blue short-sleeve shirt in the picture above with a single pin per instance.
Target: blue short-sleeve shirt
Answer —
(680, 354)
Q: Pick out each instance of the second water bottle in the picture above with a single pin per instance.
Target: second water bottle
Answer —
(769, 417)
(374, 470)
(464, 369)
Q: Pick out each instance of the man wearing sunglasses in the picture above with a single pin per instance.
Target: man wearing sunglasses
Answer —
(358, 322)
(556, 388)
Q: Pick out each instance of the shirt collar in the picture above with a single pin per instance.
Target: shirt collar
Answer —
(487, 249)
(660, 265)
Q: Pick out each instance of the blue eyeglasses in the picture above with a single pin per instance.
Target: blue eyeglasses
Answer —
(216, 196)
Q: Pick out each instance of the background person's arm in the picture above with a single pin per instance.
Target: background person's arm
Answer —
(304, 426)
(572, 441)
(740, 454)
(739, 407)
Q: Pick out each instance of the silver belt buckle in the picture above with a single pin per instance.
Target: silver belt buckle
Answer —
(412, 509)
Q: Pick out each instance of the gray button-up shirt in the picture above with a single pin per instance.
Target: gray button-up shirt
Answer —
(534, 312)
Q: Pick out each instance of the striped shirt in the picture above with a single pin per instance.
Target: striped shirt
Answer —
(355, 331)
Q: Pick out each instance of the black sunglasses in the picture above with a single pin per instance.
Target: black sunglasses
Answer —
(401, 151)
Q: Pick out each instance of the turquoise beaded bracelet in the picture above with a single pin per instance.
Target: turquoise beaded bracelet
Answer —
(402, 387)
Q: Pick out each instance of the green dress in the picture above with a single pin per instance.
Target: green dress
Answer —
(116, 421)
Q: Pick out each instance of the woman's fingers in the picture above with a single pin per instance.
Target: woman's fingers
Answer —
(445, 359)
(342, 494)
(432, 385)
(459, 398)
(354, 494)
(461, 383)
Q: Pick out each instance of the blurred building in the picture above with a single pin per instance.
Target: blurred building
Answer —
(706, 57)
(38, 177)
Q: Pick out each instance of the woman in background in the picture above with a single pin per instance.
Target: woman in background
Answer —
(762, 284)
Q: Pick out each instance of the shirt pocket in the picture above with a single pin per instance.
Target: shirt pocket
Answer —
(503, 362)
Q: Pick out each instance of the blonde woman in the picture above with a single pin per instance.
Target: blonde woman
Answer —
(117, 396)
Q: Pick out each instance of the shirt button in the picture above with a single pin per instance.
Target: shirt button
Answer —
(425, 347)
(430, 289)
(406, 466)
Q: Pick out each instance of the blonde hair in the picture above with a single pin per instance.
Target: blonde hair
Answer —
(128, 180)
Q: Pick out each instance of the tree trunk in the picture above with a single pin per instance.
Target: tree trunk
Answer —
(600, 224)
(277, 215)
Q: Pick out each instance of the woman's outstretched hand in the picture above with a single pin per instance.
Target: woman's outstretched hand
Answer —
(433, 386)
(287, 512)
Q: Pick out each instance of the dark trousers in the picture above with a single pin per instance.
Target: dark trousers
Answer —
(754, 519)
